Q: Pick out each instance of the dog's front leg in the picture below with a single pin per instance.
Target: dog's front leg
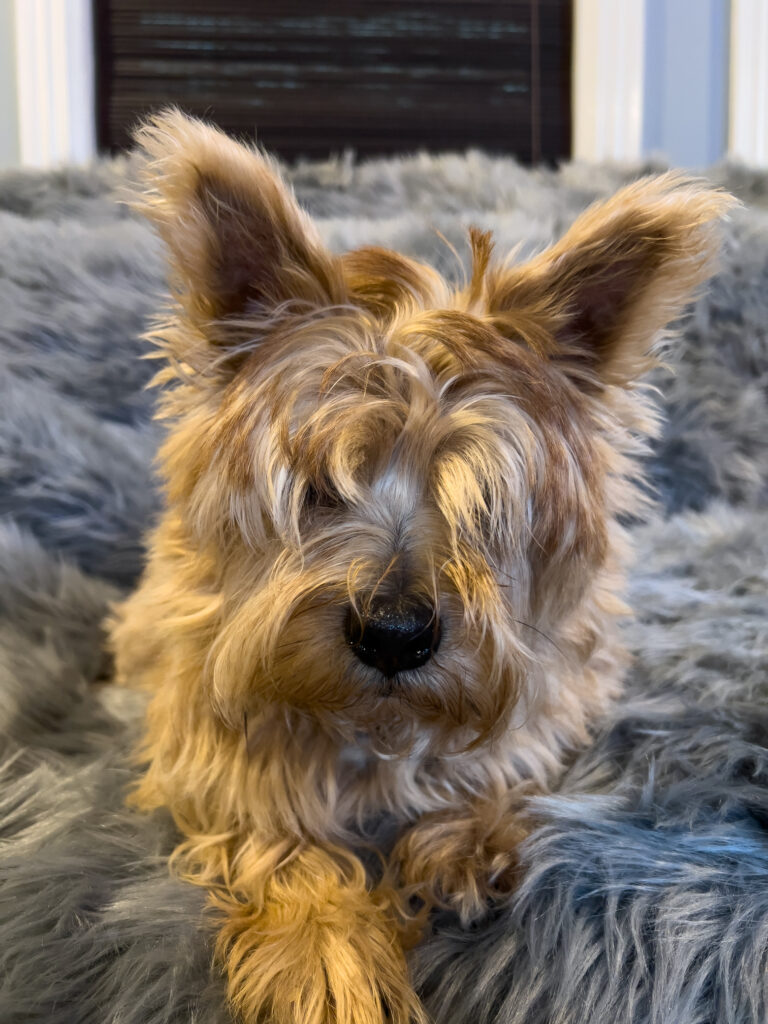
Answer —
(464, 858)
(308, 943)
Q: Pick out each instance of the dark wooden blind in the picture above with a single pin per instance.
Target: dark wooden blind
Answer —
(309, 79)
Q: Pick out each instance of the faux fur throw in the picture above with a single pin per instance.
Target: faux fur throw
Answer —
(645, 898)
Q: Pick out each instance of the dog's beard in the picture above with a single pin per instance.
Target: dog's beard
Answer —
(462, 696)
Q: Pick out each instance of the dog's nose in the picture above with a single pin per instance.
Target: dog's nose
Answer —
(393, 636)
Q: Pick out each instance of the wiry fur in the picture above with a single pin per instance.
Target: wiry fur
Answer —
(347, 427)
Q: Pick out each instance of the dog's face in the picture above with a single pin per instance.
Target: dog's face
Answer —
(404, 492)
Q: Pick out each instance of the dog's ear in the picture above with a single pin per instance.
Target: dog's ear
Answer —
(598, 299)
(237, 238)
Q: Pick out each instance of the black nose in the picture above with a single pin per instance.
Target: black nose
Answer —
(393, 635)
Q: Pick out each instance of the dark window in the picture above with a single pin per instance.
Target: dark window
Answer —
(313, 78)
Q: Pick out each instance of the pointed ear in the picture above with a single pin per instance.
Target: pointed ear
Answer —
(237, 238)
(625, 269)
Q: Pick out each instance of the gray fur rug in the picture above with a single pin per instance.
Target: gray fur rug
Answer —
(646, 893)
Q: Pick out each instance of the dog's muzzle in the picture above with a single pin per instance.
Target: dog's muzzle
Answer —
(394, 635)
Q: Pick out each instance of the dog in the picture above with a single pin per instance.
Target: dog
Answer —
(388, 574)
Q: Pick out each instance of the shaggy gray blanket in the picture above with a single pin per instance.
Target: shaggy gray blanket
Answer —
(646, 893)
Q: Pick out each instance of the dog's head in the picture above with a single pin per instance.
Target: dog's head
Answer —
(403, 493)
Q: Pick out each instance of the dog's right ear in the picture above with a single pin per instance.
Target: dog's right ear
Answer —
(627, 267)
(238, 240)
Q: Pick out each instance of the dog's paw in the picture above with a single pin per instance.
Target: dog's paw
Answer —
(459, 863)
(317, 952)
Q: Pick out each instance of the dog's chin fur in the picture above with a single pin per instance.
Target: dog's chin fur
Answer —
(347, 429)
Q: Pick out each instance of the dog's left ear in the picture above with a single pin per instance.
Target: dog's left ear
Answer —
(598, 299)
(237, 238)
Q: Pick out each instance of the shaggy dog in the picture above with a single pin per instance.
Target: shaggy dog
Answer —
(388, 574)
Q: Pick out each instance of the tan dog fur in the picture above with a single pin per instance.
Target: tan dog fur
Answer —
(344, 426)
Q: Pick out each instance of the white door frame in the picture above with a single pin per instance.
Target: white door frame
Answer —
(55, 82)
(608, 75)
(748, 107)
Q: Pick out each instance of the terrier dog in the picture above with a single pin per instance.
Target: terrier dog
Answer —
(388, 573)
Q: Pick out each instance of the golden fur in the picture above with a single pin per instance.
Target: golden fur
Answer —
(342, 427)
